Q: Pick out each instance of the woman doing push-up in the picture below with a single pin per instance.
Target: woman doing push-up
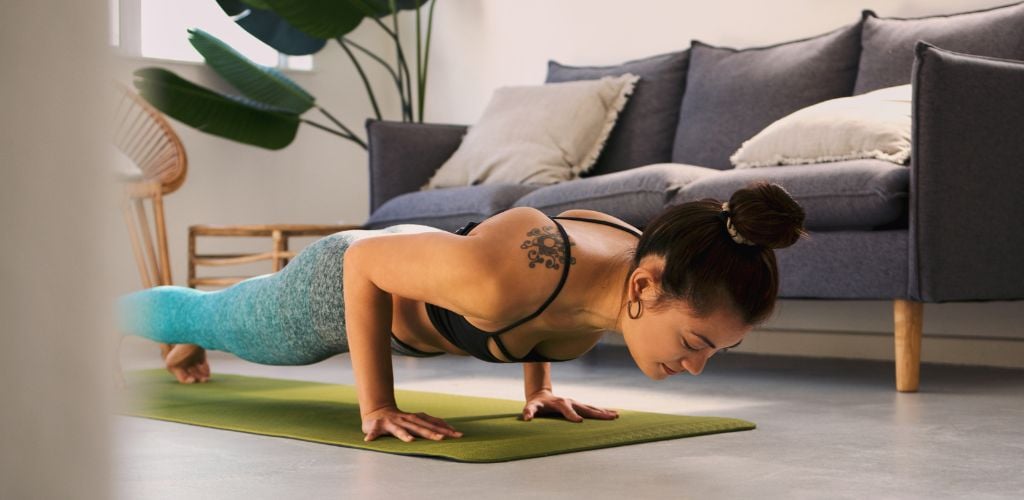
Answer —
(519, 287)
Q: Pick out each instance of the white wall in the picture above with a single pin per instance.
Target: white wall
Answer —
(479, 45)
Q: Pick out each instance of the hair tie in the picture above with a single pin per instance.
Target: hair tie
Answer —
(725, 215)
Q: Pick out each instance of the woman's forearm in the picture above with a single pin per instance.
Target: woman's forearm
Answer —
(368, 323)
(536, 377)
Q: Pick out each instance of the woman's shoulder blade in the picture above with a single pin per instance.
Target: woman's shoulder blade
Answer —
(527, 253)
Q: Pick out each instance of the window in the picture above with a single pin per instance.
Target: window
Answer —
(158, 29)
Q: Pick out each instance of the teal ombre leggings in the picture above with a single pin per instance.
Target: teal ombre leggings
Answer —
(293, 317)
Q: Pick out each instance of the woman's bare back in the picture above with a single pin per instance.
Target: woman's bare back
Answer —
(557, 332)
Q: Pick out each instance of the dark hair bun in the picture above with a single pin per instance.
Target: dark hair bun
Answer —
(767, 215)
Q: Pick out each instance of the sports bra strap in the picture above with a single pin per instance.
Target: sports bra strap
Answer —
(503, 349)
(607, 223)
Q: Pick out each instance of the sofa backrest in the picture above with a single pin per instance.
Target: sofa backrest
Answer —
(646, 129)
(699, 105)
(732, 94)
(887, 55)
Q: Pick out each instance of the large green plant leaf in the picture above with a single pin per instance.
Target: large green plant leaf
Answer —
(257, 82)
(319, 18)
(301, 27)
(383, 7)
(230, 117)
(259, 4)
(270, 28)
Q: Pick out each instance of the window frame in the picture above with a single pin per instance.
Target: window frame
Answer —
(129, 38)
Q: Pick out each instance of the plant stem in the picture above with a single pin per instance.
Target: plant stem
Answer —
(426, 58)
(403, 66)
(407, 101)
(336, 122)
(406, 107)
(362, 74)
(377, 58)
(335, 132)
(419, 64)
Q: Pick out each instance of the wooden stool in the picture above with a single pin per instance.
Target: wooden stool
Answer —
(279, 255)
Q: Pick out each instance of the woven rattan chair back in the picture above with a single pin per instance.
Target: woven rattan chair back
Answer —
(144, 136)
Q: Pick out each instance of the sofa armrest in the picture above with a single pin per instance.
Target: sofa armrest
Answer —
(966, 179)
(404, 156)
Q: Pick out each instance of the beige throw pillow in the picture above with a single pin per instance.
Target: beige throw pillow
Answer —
(541, 134)
(872, 125)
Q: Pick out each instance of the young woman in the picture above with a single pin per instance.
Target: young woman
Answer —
(518, 287)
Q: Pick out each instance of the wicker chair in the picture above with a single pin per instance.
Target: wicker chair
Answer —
(146, 138)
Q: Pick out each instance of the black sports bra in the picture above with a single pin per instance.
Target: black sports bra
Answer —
(473, 340)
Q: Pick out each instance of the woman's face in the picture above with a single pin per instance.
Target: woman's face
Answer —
(674, 340)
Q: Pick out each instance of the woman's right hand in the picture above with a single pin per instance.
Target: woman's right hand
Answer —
(389, 420)
(187, 362)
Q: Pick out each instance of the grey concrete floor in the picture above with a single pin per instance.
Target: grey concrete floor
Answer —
(826, 429)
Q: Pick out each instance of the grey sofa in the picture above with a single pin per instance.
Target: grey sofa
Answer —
(946, 227)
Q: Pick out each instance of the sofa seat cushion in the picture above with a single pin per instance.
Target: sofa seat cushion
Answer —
(846, 265)
(448, 208)
(634, 195)
(855, 194)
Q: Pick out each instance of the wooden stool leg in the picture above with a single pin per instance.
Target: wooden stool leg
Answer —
(284, 249)
(133, 233)
(909, 319)
(147, 239)
(191, 257)
(161, 237)
(278, 248)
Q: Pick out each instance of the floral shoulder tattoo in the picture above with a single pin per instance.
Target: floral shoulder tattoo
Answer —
(546, 245)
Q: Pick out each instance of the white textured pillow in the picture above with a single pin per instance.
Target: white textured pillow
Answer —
(541, 134)
(872, 125)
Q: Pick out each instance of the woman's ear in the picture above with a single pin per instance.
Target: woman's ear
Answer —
(646, 279)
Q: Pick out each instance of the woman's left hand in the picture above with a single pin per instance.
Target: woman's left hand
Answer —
(544, 402)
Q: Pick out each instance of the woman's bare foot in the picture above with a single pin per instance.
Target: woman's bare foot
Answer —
(187, 362)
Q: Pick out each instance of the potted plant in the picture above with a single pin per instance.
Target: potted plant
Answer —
(269, 106)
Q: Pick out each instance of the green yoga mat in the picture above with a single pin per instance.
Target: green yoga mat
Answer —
(329, 413)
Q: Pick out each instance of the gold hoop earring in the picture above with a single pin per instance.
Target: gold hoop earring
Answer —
(629, 309)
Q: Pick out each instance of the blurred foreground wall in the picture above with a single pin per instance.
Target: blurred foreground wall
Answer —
(55, 201)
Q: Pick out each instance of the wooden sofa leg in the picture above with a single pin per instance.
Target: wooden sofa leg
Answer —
(909, 317)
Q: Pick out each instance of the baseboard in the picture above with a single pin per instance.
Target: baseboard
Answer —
(977, 351)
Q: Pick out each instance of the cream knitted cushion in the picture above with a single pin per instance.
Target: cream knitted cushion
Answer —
(542, 134)
(872, 125)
